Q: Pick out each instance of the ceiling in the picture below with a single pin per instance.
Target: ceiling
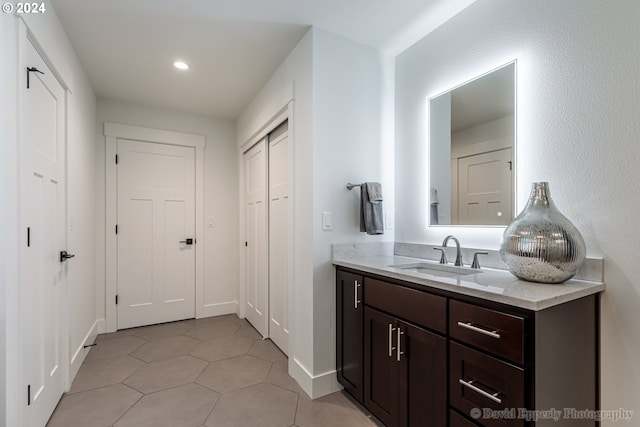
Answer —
(489, 97)
(233, 46)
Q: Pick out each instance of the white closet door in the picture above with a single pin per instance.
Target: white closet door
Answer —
(42, 216)
(156, 216)
(279, 238)
(257, 265)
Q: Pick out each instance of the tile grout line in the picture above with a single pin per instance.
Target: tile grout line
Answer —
(130, 407)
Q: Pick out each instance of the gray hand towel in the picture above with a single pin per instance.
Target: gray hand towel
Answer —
(371, 220)
(375, 191)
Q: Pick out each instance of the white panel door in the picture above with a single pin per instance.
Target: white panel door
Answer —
(257, 265)
(279, 241)
(485, 187)
(42, 218)
(156, 216)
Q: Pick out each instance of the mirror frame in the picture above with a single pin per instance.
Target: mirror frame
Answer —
(513, 62)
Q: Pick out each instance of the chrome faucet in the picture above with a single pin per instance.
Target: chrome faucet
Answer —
(458, 254)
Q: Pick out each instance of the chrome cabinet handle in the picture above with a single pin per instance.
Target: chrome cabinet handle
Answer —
(356, 301)
(391, 347)
(469, 385)
(399, 344)
(468, 325)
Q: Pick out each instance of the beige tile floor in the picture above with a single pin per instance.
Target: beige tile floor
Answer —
(214, 372)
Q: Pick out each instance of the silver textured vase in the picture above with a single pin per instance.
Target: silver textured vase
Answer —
(541, 244)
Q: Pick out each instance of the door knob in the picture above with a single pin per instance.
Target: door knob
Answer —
(187, 241)
(64, 255)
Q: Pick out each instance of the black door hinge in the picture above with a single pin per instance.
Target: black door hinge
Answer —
(116, 159)
(32, 70)
(116, 299)
(29, 395)
(116, 228)
(246, 244)
(28, 237)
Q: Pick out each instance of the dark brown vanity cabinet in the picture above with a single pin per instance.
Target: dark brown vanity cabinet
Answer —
(350, 332)
(405, 381)
(414, 356)
(514, 365)
(395, 365)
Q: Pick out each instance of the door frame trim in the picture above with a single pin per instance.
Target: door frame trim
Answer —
(113, 132)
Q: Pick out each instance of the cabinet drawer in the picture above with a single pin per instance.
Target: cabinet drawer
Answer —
(477, 380)
(421, 308)
(493, 331)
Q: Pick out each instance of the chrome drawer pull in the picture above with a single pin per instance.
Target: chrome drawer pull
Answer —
(391, 347)
(469, 384)
(399, 353)
(468, 325)
(356, 301)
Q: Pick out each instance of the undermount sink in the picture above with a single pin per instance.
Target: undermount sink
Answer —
(444, 270)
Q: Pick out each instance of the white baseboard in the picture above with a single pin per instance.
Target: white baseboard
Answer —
(81, 351)
(315, 386)
(219, 309)
(101, 327)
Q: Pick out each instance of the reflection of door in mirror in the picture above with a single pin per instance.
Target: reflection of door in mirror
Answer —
(481, 173)
(471, 150)
(484, 188)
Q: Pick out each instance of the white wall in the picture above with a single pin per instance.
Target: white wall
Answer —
(293, 77)
(577, 128)
(81, 217)
(80, 151)
(352, 142)
(502, 128)
(220, 243)
(342, 130)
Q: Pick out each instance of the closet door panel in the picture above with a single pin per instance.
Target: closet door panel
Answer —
(256, 220)
(279, 238)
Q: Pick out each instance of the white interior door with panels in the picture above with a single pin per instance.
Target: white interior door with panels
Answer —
(485, 188)
(42, 215)
(154, 217)
(279, 237)
(256, 234)
(155, 233)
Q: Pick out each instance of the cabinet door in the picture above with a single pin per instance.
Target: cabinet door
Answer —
(423, 377)
(380, 366)
(349, 333)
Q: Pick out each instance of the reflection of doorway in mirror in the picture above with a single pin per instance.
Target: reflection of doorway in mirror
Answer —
(484, 188)
(476, 118)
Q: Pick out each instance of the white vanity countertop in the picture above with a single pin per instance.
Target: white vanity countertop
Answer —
(489, 284)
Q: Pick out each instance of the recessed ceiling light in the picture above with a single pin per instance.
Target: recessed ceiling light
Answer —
(181, 65)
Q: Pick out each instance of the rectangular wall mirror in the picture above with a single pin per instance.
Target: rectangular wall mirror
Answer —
(472, 142)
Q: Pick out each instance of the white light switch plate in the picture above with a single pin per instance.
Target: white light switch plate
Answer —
(388, 221)
(327, 221)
